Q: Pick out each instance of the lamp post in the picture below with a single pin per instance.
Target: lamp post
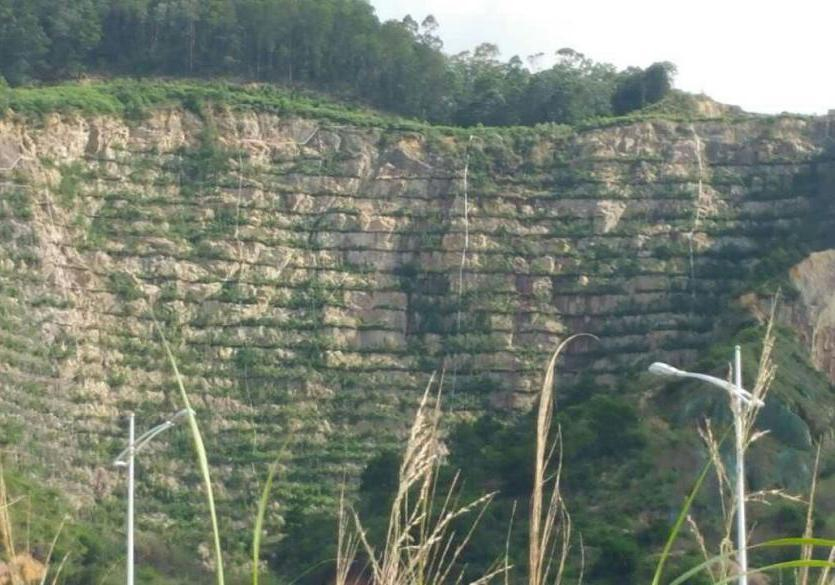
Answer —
(739, 397)
(125, 459)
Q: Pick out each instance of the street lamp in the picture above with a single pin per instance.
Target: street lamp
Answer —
(125, 459)
(739, 396)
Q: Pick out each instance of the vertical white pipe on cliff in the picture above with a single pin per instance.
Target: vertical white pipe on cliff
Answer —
(741, 533)
(131, 453)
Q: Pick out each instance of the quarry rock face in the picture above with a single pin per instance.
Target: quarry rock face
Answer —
(311, 275)
(814, 278)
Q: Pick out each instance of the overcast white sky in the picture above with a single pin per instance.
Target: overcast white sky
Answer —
(766, 56)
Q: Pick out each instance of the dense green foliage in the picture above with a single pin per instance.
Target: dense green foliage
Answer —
(333, 45)
(89, 547)
(137, 99)
(625, 468)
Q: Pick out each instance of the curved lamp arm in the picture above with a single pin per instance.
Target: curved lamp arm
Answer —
(147, 436)
(662, 369)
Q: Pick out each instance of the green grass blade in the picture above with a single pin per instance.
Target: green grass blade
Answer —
(200, 449)
(682, 516)
(800, 541)
(259, 520)
(701, 566)
(778, 542)
(804, 563)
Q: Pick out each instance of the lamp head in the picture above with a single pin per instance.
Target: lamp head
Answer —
(662, 369)
(180, 414)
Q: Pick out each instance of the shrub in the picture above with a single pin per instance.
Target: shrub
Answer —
(123, 286)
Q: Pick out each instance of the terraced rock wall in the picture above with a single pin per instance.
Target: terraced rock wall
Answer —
(312, 275)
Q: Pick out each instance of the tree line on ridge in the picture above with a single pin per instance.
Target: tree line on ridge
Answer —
(336, 46)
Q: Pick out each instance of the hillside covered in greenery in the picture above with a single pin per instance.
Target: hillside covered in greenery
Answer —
(338, 46)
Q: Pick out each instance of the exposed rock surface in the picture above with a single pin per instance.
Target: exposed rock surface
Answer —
(310, 275)
(814, 277)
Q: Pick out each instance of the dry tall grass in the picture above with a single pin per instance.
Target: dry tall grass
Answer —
(549, 537)
(722, 572)
(806, 550)
(421, 545)
(347, 546)
(19, 567)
